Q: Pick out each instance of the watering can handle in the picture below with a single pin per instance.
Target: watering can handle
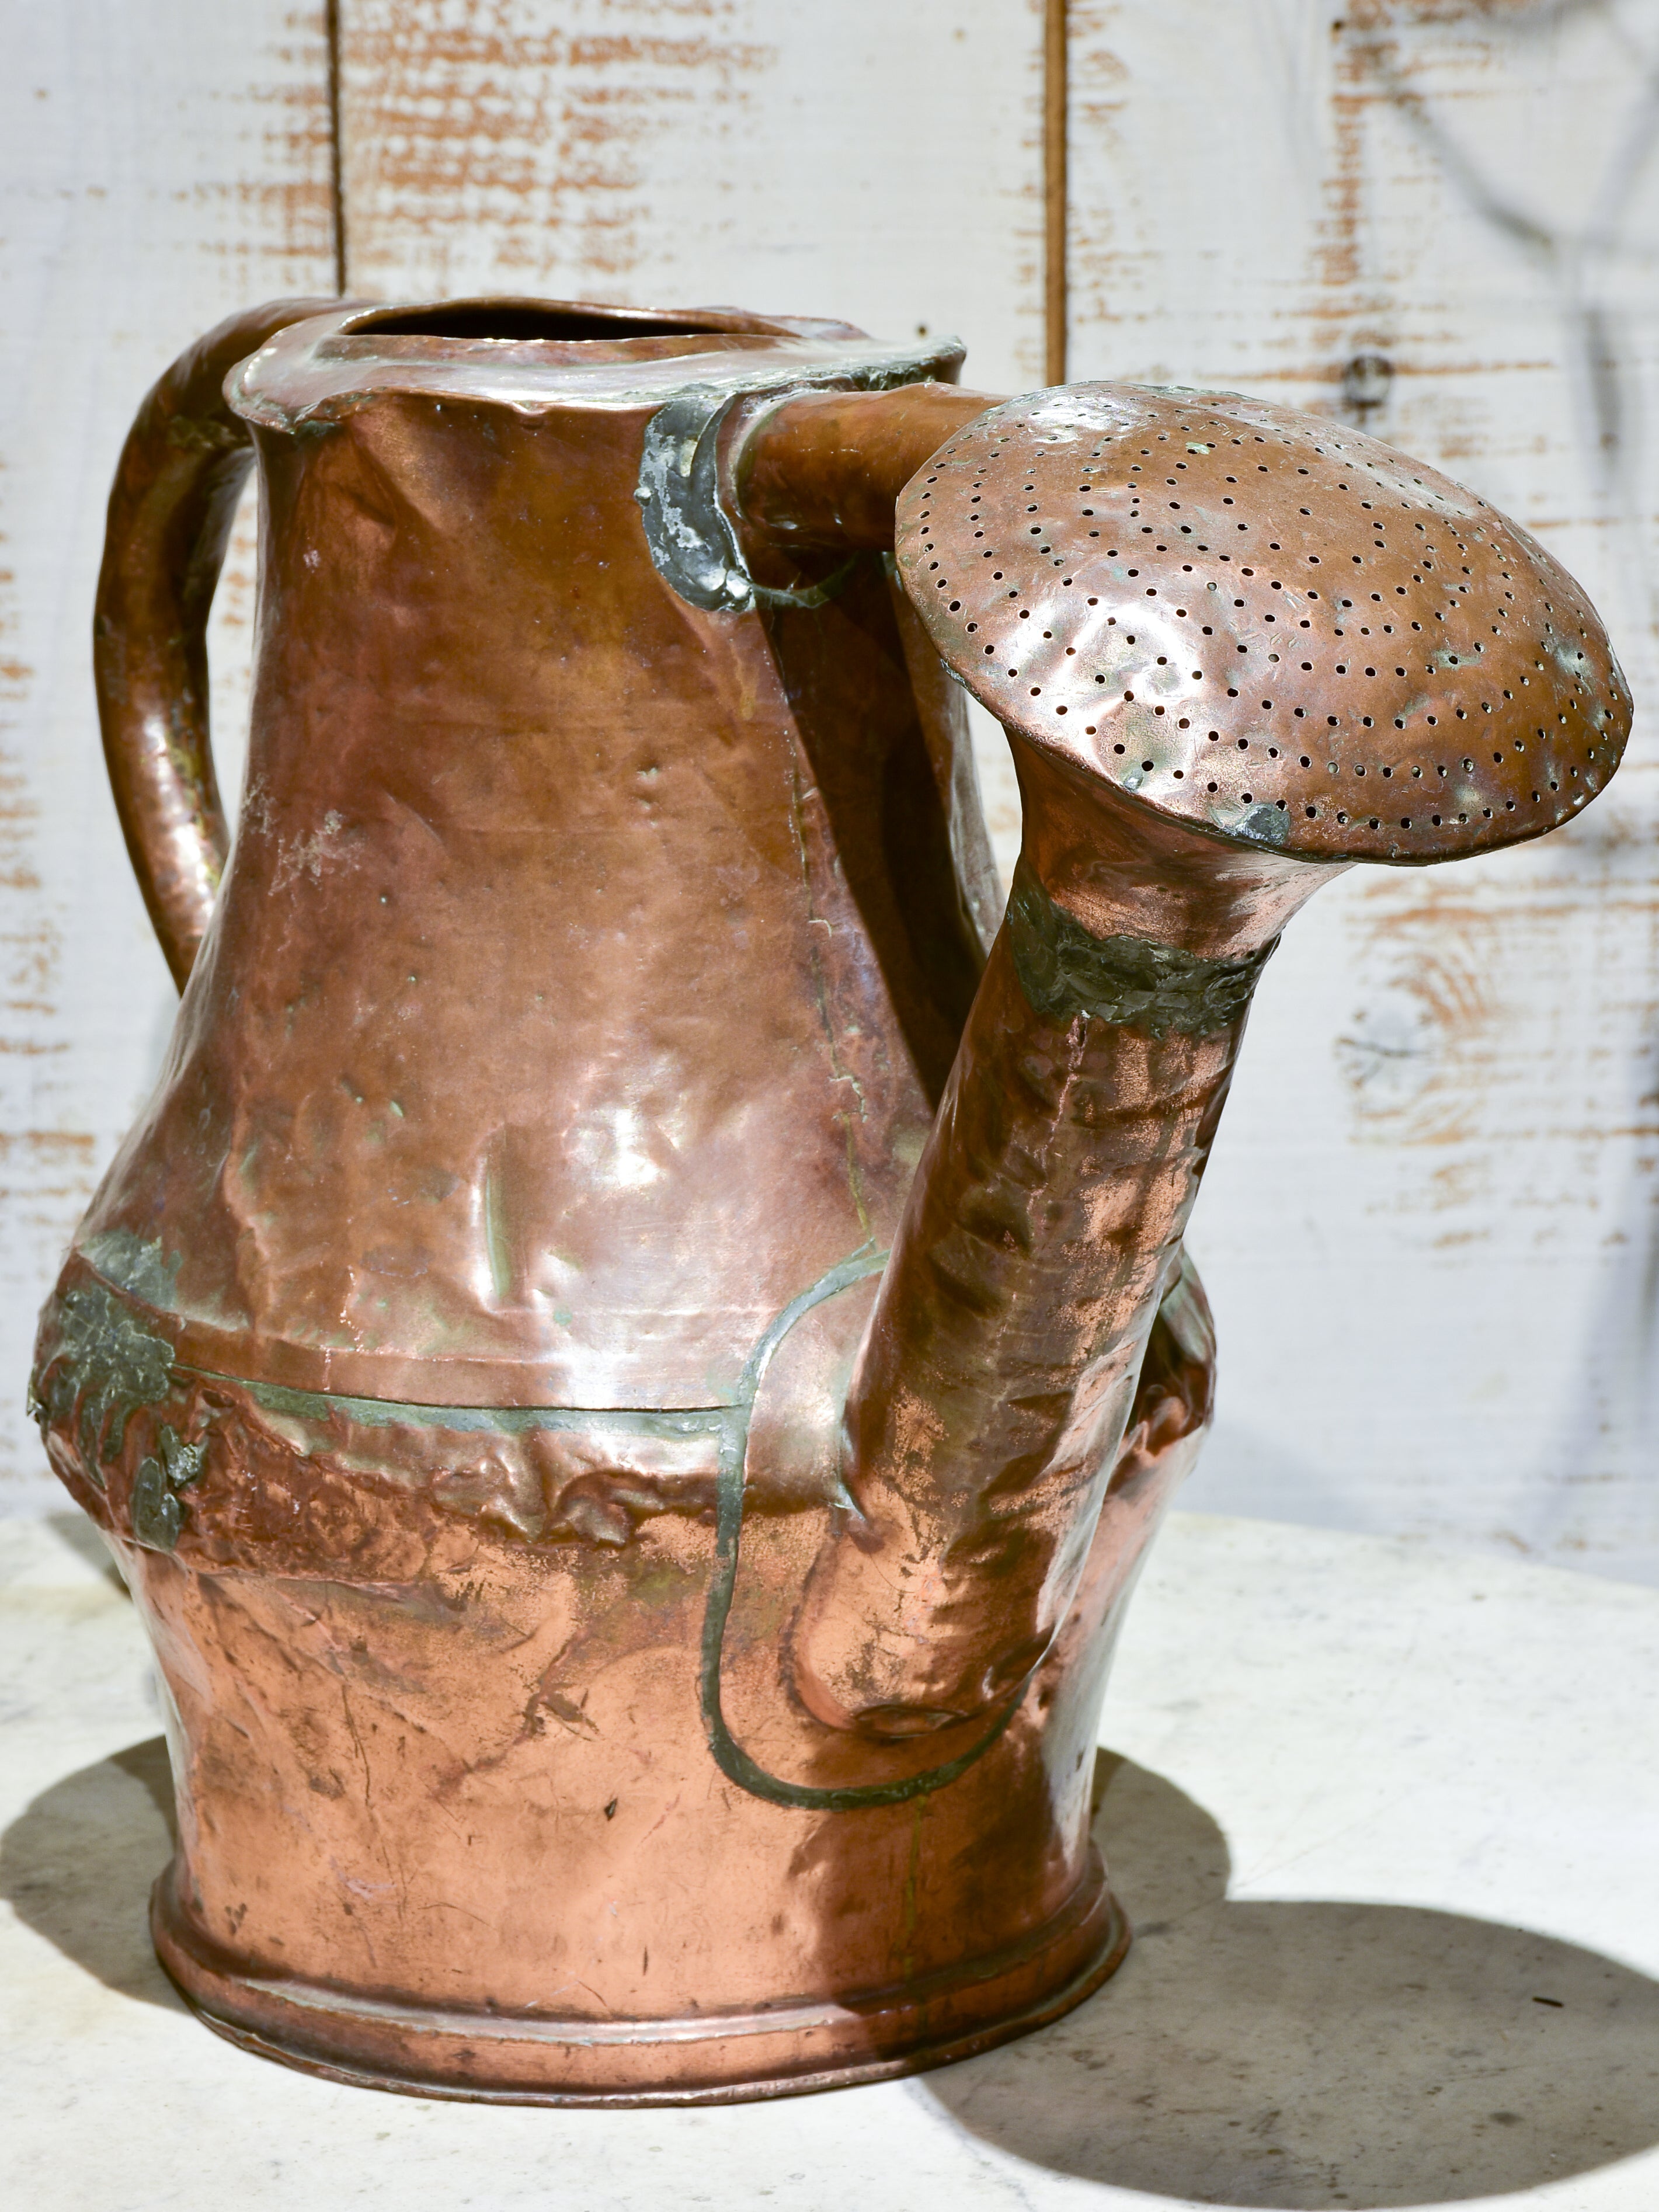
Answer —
(170, 509)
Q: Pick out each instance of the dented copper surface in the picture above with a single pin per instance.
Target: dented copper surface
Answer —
(634, 1354)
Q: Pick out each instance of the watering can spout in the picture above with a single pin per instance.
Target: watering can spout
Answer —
(1234, 651)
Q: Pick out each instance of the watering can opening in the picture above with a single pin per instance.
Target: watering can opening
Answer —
(531, 321)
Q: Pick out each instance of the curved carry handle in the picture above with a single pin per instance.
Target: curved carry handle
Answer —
(170, 509)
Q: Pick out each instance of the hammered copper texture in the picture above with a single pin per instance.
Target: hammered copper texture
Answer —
(635, 1351)
(1235, 610)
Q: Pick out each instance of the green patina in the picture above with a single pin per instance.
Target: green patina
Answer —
(1064, 970)
(137, 1265)
(106, 1366)
(470, 1420)
(156, 1511)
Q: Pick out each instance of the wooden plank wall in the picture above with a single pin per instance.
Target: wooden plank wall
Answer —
(1429, 1227)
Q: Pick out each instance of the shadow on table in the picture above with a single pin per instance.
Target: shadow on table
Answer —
(78, 1864)
(1315, 2054)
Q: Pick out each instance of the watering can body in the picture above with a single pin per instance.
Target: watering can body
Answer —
(455, 1352)
(635, 1352)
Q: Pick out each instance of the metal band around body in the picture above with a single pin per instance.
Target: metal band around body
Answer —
(1064, 970)
(111, 1365)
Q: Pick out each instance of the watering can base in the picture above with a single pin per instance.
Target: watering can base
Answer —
(783, 2051)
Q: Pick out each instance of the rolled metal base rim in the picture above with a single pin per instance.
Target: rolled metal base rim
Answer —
(718, 2058)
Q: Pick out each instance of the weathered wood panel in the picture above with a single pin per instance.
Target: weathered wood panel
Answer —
(1430, 1227)
(160, 165)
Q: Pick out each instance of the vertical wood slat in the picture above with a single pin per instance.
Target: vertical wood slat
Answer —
(159, 166)
(1056, 201)
(336, 147)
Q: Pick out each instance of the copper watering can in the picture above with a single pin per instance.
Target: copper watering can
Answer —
(632, 1358)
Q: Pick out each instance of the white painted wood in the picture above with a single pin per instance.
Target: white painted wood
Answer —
(159, 166)
(1430, 1227)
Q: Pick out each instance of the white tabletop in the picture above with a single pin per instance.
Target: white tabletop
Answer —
(1387, 1820)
